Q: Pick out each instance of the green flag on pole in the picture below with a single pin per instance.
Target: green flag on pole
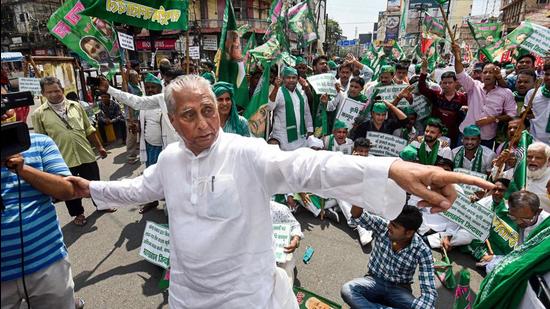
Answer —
(433, 26)
(92, 39)
(301, 22)
(256, 112)
(520, 172)
(148, 14)
(230, 63)
(463, 293)
(403, 19)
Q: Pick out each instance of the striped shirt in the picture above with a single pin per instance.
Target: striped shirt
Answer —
(43, 240)
(399, 267)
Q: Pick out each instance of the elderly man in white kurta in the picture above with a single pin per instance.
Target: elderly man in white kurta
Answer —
(292, 122)
(218, 186)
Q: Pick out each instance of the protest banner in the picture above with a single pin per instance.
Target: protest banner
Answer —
(323, 83)
(126, 41)
(473, 217)
(92, 39)
(155, 246)
(307, 300)
(385, 145)
(194, 52)
(281, 234)
(349, 110)
(470, 189)
(539, 40)
(421, 106)
(30, 84)
(388, 93)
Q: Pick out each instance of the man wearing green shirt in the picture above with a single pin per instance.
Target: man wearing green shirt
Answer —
(67, 124)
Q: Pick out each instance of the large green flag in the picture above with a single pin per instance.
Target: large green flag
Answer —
(529, 36)
(520, 172)
(433, 26)
(256, 112)
(267, 51)
(301, 22)
(92, 39)
(230, 62)
(485, 33)
(149, 14)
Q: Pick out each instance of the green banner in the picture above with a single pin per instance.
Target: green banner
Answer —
(307, 299)
(485, 33)
(148, 14)
(92, 39)
(530, 36)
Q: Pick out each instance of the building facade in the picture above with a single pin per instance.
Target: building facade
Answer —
(515, 11)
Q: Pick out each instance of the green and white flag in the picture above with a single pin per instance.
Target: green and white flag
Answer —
(256, 112)
(301, 22)
(149, 14)
(403, 19)
(267, 51)
(485, 33)
(230, 60)
(520, 171)
(92, 39)
(396, 52)
(529, 36)
(433, 26)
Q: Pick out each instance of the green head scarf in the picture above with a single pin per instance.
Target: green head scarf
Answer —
(380, 108)
(150, 78)
(209, 77)
(387, 69)
(220, 88)
(300, 60)
(339, 124)
(472, 130)
(407, 110)
(409, 153)
(332, 65)
(289, 71)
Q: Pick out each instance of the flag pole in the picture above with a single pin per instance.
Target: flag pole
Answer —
(447, 23)
(187, 52)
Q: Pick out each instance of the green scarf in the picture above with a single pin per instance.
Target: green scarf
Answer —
(330, 142)
(520, 101)
(320, 118)
(233, 123)
(424, 157)
(546, 93)
(476, 166)
(514, 270)
(291, 128)
(360, 98)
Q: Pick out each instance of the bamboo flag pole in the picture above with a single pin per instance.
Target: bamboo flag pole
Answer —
(447, 23)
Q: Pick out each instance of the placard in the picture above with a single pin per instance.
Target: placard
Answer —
(385, 145)
(210, 42)
(470, 189)
(323, 83)
(473, 217)
(155, 246)
(126, 41)
(388, 93)
(421, 106)
(281, 235)
(30, 84)
(349, 110)
(194, 52)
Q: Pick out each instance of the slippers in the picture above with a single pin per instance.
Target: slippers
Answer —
(145, 208)
(80, 220)
(109, 210)
(79, 303)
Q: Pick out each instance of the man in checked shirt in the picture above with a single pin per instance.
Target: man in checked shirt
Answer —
(396, 253)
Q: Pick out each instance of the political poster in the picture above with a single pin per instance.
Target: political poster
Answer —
(421, 106)
(155, 246)
(470, 189)
(92, 39)
(385, 145)
(126, 41)
(323, 83)
(388, 93)
(349, 110)
(281, 235)
(308, 300)
(473, 217)
(30, 84)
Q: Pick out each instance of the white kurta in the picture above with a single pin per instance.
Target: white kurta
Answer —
(345, 148)
(169, 134)
(538, 186)
(219, 216)
(279, 121)
(541, 110)
(444, 152)
(150, 123)
(486, 160)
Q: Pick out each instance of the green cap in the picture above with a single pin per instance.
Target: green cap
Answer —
(472, 130)
(332, 65)
(379, 108)
(220, 88)
(150, 78)
(409, 153)
(300, 60)
(387, 69)
(289, 71)
(408, 110)
(209, 77)
(339, 124)
(509, 66)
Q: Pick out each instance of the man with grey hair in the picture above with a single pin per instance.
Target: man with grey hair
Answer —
(67, 123)
(218, 186)
(538, 172)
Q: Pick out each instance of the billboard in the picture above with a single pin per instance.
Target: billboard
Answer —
(392, 28)
(393, 5)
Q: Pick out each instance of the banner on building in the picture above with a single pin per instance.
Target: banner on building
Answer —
(392, 28)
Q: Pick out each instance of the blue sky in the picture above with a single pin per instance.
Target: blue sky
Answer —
(363, 13)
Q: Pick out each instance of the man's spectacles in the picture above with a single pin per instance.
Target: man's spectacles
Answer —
(524, 220)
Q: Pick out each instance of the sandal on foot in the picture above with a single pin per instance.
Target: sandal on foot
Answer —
(145, 208)
(80, 220)
(109, 210)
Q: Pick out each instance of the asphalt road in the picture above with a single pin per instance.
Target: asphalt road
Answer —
(109, 273)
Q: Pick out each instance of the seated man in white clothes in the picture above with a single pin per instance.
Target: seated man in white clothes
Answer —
(538, 172)
(472, 155)
(220, 184)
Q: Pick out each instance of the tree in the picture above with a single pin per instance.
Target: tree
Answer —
(334, 32)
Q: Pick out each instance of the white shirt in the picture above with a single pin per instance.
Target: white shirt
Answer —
(221, 253)
(345, 148)
(439, 71)
(152, 128)
(279, 119)
(538, 186)
(444, 152)
(541, 110)
(169, 134)
(486, 160)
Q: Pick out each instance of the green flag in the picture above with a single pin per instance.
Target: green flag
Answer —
(267, 51)
(433, 26)
(404, 14)
(92, 39)
(149, 14)
(444, 271)
(230, 63)
(251, 43)
(520, 37)
(463, 293)
(256, 112)
(520, 172)
(301, 22)
(396, 52)
(485, 33)
(441, 1)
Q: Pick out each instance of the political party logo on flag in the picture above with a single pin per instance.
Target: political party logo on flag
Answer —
(267, 51)
(92, 39)
(463, 294)
(301, 22)
(149, 14)
(433, 26)
(230, 60)
(485, 33)
(396, 52)
(256, 112)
